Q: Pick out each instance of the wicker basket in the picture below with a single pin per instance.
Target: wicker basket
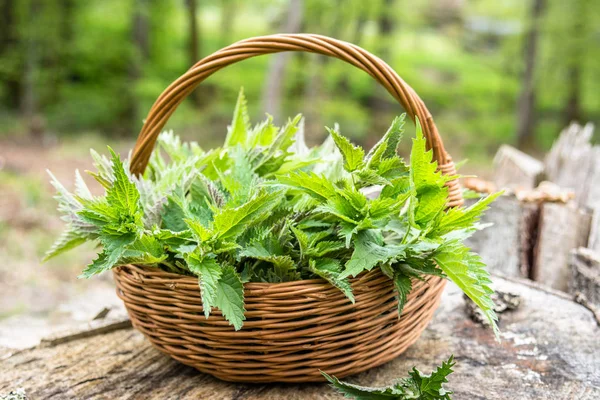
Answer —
(293, 329)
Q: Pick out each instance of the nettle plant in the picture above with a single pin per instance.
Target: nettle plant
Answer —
(266, 208)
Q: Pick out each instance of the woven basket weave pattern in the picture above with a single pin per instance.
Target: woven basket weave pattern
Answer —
(294, 329)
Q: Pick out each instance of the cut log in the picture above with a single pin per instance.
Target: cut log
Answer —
(574, 163)
(585, 274)
(544, 354)
(563, 163)
(514, 169)
(562, 228)
(594, 240)
(506, 245)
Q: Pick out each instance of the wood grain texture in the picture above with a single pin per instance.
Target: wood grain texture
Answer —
(561, 229)
(585, 274)
(514, 169)
(505, 245)
(549, 350)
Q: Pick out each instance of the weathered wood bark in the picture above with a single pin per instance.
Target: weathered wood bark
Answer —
(514, 169)
(585, 274)
(526, 101)
(273, 93)
(561, 229)
(573, 163)
(503, 245)
(594, 240)
(544, 354)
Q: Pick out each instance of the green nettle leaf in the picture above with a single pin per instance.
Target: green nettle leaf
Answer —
(230, 297)
(145, 250)
(468, 272)
(431, 194)
(387, 147)
(461, 218)
(266, 208)
(237, 133)
(369, 251)
(417, 386)
(231, 222)
(209, 273)
(330, 270)
(403, 286)
(115, 247)
(122, 194)
(68, 240)
(284, 267)
(353, 155)
(317, 186)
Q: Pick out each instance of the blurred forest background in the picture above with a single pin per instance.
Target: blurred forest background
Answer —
(491, 72)
(77, 74)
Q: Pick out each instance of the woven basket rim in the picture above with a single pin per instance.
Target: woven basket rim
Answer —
(315, 283)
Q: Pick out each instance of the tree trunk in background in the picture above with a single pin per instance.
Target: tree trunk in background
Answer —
(343, 86)
(575, 59)
(228, 13)
(140, 35)
(58, 60)
(193, 43)
(273, 92)
(29, 99)
(379, 103)
(9, 40)
(526, 101)
(318, 64)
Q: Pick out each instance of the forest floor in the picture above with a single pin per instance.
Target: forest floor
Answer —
(40, 298)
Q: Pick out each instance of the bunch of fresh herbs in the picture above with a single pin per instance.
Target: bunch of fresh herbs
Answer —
(266, 208)
(417, 386)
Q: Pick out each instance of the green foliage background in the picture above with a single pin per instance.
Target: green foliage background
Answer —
(77, 67)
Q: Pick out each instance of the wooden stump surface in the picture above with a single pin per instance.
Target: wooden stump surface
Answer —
(550, 349)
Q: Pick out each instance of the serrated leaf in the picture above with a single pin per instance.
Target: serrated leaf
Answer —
(317, 186)
(357, 392)
(330, 270)
(231, 222)
(209, 273)
(324, 248)
(388, 145)
(368, 252)
(145, 250)
(237, 132)
(122, 194)
(114, 248)
(468, 272)
(353, 155)
(284, 268)
(230, 297)
(403, 286)
(81, 188)
(460, 218)
(431, 386)
(68, 240)
(417, 386)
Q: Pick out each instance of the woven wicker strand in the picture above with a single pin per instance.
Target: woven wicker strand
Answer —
(294, 329)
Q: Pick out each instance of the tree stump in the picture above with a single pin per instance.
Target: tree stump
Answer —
(585, 274)
(561, 229)
(549, 350)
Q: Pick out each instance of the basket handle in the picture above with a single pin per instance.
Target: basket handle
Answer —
(173, 95)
